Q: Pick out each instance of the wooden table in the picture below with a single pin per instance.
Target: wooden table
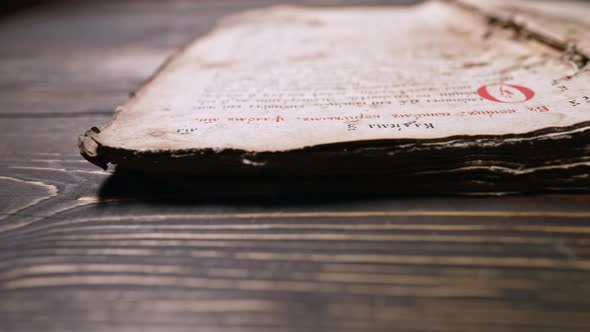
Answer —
(138, 259)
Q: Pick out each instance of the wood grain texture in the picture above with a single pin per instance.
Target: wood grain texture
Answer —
(81, 249)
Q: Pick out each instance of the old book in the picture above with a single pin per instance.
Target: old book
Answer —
(483, 98)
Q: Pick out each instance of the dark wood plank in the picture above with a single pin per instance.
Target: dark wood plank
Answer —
(74, 256)
(75, 262)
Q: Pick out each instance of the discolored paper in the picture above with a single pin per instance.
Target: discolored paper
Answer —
(288, 78)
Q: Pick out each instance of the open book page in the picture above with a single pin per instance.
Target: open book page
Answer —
(286, 78)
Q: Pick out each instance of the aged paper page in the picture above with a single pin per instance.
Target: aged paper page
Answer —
(288, 78)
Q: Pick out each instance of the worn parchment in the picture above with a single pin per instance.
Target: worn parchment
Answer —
(289, 78)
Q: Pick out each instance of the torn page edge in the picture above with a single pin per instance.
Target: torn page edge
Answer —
(100, 155)
(89, 148)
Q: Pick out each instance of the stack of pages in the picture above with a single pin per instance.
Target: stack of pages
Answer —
(457, 97)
